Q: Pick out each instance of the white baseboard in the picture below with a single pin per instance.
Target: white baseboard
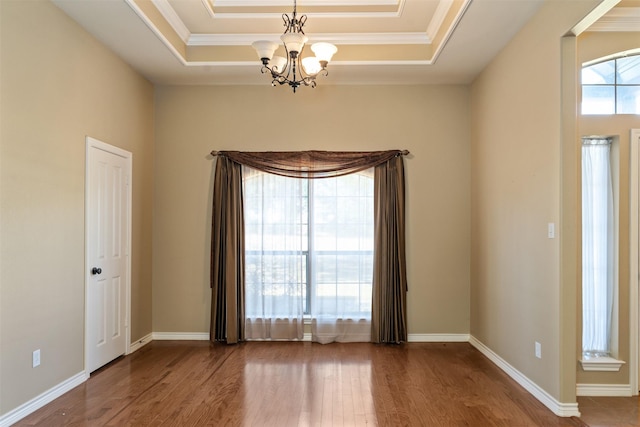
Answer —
(600, 390)
(438, 338)
(137, 345)
(558, 408)
(38, 402)
(180, 336)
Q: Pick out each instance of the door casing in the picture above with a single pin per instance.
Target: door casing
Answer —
(634, 258)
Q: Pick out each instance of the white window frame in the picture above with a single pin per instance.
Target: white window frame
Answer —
(615, 84)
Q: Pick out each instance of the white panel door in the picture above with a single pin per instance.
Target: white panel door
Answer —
(107, 235)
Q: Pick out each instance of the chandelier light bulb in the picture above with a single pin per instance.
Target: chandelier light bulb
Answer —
(294, 42)
(324, 51)
(278, 63)
(265, 49)
(311, 65)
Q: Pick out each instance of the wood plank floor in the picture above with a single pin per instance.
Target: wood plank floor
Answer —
(610, 411)
(180, 383)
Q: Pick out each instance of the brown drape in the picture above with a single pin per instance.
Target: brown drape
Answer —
(388, 317)
(227, 254)
(227, 234)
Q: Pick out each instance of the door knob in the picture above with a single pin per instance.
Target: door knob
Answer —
(96, 270)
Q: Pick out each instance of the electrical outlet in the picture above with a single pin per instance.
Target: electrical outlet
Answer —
(538, 350)
(36, 358)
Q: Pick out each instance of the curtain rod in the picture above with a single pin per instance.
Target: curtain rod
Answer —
(597, 140)
(214, 153)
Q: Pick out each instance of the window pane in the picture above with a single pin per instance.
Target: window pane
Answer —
(628, 100)
(325, 268)
(629, 70)
(325, 237)
(598, 99)
(599, 74)
(324, 208)
(348, 210)
(348, 185)
(324, 187)
(348, 269)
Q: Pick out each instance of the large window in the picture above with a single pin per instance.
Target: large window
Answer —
(308, 252)
(612, 86)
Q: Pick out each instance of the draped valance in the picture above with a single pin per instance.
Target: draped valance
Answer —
(311, 164)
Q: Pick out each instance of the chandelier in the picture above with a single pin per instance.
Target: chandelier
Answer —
(293, 69)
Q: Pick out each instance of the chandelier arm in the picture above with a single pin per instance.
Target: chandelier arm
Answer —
(293, 72)
(301, 71)
(287, 22)
(278, 80)
(302, 21)
(287, 65)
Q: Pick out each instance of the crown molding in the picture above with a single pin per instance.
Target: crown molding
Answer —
(336, 38)
(252, 64)
(450, 30)
(172, 18)
(438, 18)
(310, 3)
(132, 4)
(236, 4)
(321, 15)
(620, 19)
(209, 8)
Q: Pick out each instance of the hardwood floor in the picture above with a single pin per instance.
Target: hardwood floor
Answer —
(609, 411)
(180, 383)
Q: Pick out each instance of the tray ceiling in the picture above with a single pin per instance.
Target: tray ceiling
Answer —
(379, 41)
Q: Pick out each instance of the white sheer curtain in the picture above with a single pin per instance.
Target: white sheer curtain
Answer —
(308, 250)
(597, 246)
(276, 217)
(342, 258)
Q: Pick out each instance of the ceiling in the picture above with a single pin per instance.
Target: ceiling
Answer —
(181, 42)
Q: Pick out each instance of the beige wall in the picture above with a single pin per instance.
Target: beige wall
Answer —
(516, 291)
(485, 168)
(59, 85)
(430, 121)
(592, 46)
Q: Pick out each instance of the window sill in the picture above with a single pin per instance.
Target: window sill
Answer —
(602, 364)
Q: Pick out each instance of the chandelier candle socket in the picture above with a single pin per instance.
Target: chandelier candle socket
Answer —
(293, 69)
